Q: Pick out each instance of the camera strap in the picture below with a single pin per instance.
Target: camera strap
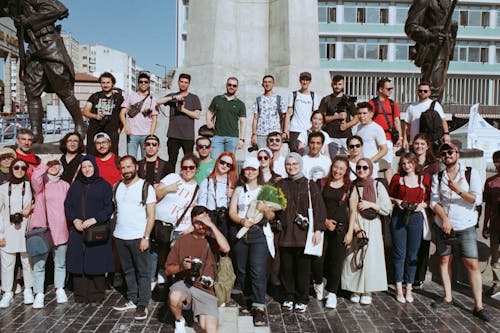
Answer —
(23, 191)
(215, 190)
(420, 186)
(179, 220)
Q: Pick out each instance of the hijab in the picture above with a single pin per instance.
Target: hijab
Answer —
(297, 158)
(13, 179)
(92, 179)
(368, 183)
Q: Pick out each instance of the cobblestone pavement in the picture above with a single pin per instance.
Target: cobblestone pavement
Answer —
(384, 315)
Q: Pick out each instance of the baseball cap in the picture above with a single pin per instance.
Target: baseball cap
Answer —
(8, 151)
(447, 146)
(152, 137)
(305, 75)
(251, 162)
(102, 135)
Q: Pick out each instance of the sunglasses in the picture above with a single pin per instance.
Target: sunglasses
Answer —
(355, 146)
(362, 167)
(425, 91)
(142, 81)
(22, 167)
(447, 152)
(6, 157)
(390, 89)
(272, 140)
(232, 85)
(151, 144)
(188, 167)
(264, 157)
(224, 163)
(203, 146)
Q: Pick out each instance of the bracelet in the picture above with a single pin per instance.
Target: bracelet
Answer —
(242, 139)
(145, 237)
(446, 133)
(460, 193)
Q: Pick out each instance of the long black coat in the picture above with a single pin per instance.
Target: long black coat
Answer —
(80, 257)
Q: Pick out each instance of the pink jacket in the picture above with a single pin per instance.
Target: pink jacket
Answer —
(53, 195)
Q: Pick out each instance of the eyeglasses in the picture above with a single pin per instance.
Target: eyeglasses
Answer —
(102, 143)
(151, 144)
(425, 91)
(355, 146)
(6, 157)
(143, 82)
(389, 88)
(22, 167)
(224, 163)
(364, 167)
(272, 140)
(447, 152)
(203, 146)
(263, 157)
(232, 85)
(188, 167)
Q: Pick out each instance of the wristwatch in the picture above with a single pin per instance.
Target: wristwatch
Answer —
(242, 139)
(145, 237)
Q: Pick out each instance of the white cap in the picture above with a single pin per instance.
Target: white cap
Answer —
(251, 162)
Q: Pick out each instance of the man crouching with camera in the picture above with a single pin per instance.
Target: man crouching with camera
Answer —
(192, 263)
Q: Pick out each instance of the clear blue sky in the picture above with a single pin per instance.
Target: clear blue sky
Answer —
(145, 29)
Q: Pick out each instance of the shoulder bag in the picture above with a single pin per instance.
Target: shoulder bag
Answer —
(96, 233)
(224, 276)
(136, 108)
(39, 240)
(310, 248)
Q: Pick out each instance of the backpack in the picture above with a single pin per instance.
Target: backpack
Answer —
(278, 102)
(144, 195)
(376, 108)
(295, 97)
(431, 124)
(479, 209)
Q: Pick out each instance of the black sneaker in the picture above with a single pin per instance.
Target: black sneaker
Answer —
(141, 312)
(259, 317)
(482, 314)
(441, 304)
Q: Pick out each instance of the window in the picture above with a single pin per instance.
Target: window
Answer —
(322, 14)
(327, 47)
(370, 49)
(473, 16)
(464, 17)
(361, 15)
(350, 14)
(330, 51)
(485, 19)
(332, 14)
(382, 52)
(384, 15)
(349, 51)
(498, 56)
(484, 55)
(401, 14)
(476, 52)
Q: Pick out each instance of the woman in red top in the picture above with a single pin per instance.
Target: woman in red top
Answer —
(409, 191)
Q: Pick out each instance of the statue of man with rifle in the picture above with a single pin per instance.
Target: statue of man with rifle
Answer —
(430, 25)
(46, 65)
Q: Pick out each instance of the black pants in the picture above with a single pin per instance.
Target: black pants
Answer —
(295, 274)
(173, 147)
(334, 258)
(422, 260)
(89, 288)
(293, 142)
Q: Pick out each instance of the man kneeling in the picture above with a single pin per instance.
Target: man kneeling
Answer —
(191, 261)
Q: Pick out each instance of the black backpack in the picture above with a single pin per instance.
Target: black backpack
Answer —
(431, 124)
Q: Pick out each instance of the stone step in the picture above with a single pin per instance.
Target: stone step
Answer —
(231, 322)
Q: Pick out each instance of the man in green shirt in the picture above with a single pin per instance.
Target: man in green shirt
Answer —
(224, 114)
(203, 148)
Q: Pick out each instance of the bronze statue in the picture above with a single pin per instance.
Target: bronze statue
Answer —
(46, 66)
(429, 24)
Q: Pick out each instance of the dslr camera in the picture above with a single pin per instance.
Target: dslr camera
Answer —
(196, 265)
(252, 148)
(408, 209)
(206, 281)
(302, 221)
(16, 218)
(346, 102)
(221, 214)
(147, 112)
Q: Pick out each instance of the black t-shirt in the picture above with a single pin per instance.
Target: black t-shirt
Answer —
(328, 106)
(153, 172)
(336, 201)
(181, 126)
(109, 107)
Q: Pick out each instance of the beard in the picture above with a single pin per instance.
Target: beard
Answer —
(129, 175)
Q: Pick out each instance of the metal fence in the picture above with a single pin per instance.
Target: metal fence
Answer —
(10, 127)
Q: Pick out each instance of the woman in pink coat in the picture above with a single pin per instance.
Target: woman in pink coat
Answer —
(50, 191)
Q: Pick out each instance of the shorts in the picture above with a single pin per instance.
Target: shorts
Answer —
(467, 246)
(201, 302)
(389, 157)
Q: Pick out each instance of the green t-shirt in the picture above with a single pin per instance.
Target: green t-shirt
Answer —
(204, 170)
(228, 114)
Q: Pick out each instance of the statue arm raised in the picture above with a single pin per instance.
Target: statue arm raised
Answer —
(41, 13)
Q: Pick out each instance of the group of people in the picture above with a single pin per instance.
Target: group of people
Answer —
(169, 227)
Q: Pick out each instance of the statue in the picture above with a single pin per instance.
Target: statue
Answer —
(429, 24)
(46, 66)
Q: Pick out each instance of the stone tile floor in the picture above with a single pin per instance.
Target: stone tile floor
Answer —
(384, 315)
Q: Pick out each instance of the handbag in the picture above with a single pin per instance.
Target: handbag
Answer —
(359, 254)
(136, 108)
(310, 248)
(163, 232)
(39, 240)
(96, 233)
(224, 276)
(205, 131)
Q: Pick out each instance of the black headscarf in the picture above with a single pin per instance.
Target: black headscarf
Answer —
(13, 178)
(92, 179)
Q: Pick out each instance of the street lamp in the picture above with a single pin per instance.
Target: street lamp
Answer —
(164, 83)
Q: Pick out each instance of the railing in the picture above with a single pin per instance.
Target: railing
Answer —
(10, 127)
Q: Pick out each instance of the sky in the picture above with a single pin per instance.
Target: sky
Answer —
(144, 29)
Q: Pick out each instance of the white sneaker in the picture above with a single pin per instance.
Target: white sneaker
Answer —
(28, 296)
(6, 300)
(320, 291)
(18, 289)
(180, 326)
(61, 296)
(331, 301)
(161, 279)
(355, 298)
(365, 300)
(38, 303)
(125, 305)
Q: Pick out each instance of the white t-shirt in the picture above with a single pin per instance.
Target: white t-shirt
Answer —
(316, 167)
(414, 111)
(303, 136)
(245, 199)
(171, 207)
(131, 217)
(279, 166)
(373, 136)
(304, 106)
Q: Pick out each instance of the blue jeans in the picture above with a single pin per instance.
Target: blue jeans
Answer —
(59, 253)
(221, 144)
(136, 266)
(405, 244)
(134, 142)
(250, 255)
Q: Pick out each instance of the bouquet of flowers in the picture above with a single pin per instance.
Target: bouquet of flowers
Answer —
(270, 197)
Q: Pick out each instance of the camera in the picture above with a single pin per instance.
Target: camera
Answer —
(147, 112)
(408, 209)
(345, 103)
(340, 227)
(206, 281)
(253, 147)
(16, 218)
(302, 221)
(276, 226)
(176, 101)
(221, 214)
(451, 238)
(196, 265)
